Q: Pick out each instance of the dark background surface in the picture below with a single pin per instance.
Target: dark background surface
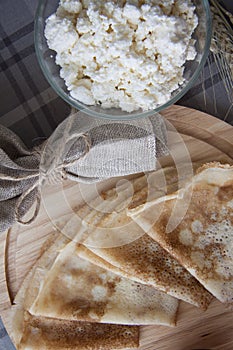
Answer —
(228, 4)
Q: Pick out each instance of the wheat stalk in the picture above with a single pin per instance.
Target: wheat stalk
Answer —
(222, 48)
(222, 40)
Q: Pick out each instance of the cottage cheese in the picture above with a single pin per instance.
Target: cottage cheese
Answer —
(124, 54)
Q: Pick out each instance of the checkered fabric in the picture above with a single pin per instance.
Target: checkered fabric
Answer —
(31, 108)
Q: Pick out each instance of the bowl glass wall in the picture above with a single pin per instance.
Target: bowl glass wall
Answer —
(46, 58)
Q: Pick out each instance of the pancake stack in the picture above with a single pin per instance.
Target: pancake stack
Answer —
(129, 266)
(30, 331)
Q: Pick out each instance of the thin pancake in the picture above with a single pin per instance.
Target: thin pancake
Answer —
(139, 257)
(75, 289)
(127, 194)
(146, 262)
(37, 333)
(203, 240)
(49, 334)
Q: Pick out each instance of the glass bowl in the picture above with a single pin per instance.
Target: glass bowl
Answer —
(46, 58)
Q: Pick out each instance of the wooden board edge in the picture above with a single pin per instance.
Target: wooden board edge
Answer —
(217, 132)
(5, 300)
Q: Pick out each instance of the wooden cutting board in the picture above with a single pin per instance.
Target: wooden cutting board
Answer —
(206, 139)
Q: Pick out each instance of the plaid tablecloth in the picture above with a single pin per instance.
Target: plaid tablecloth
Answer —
(32, 109)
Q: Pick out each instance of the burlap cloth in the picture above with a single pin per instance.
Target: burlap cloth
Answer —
(82, 149)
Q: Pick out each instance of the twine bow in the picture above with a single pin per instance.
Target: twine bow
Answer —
(81, 149)
(60, 170)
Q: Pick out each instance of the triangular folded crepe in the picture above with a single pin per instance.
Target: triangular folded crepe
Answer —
(75, 289)
(54, 334)
(146, 262)
(129, 192)
(203, 239)
(42, 333)
(139, 257)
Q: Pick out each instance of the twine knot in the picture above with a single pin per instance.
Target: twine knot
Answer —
(55, 174)
(82, 149)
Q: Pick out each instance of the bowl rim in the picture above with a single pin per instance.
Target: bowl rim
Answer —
(127, 116)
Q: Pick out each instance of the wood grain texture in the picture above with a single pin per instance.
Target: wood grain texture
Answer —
(206, 139)
(5, 300)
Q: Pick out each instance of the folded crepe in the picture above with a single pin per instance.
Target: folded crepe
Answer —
(146, 262)
(128, 192)
(75, 289)
(43, 333)
(203, 239)
(138, 257)
(49, 334)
